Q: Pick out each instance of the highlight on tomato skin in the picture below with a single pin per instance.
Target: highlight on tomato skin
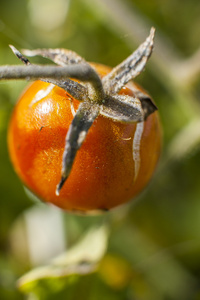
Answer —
(115, 162)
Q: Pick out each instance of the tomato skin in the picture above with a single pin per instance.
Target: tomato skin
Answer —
(103, 174)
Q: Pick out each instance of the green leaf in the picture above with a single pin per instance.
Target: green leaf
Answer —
(81, 260)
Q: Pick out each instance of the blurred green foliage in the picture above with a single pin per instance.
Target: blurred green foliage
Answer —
(152, 245)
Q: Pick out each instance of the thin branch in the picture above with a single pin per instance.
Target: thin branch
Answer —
(83, 72)
(187, 71)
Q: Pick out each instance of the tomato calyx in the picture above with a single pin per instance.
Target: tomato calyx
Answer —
(97, 96)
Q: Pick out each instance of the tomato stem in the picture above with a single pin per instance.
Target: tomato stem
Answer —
(83, 120)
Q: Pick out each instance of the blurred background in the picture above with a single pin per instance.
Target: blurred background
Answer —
(150, 248)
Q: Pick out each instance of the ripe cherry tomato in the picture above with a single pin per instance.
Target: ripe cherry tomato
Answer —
(115, 162)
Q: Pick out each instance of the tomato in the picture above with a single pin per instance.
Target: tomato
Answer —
(115, 162)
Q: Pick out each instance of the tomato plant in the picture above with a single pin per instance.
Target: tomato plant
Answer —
(111, 137)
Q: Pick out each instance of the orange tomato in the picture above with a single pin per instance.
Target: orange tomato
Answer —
(115, 162)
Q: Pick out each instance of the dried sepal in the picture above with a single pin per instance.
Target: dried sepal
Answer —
(75, 89)
(83, 120)
(60, 56)
(130, 67)
(122, 108)
(20, 55)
